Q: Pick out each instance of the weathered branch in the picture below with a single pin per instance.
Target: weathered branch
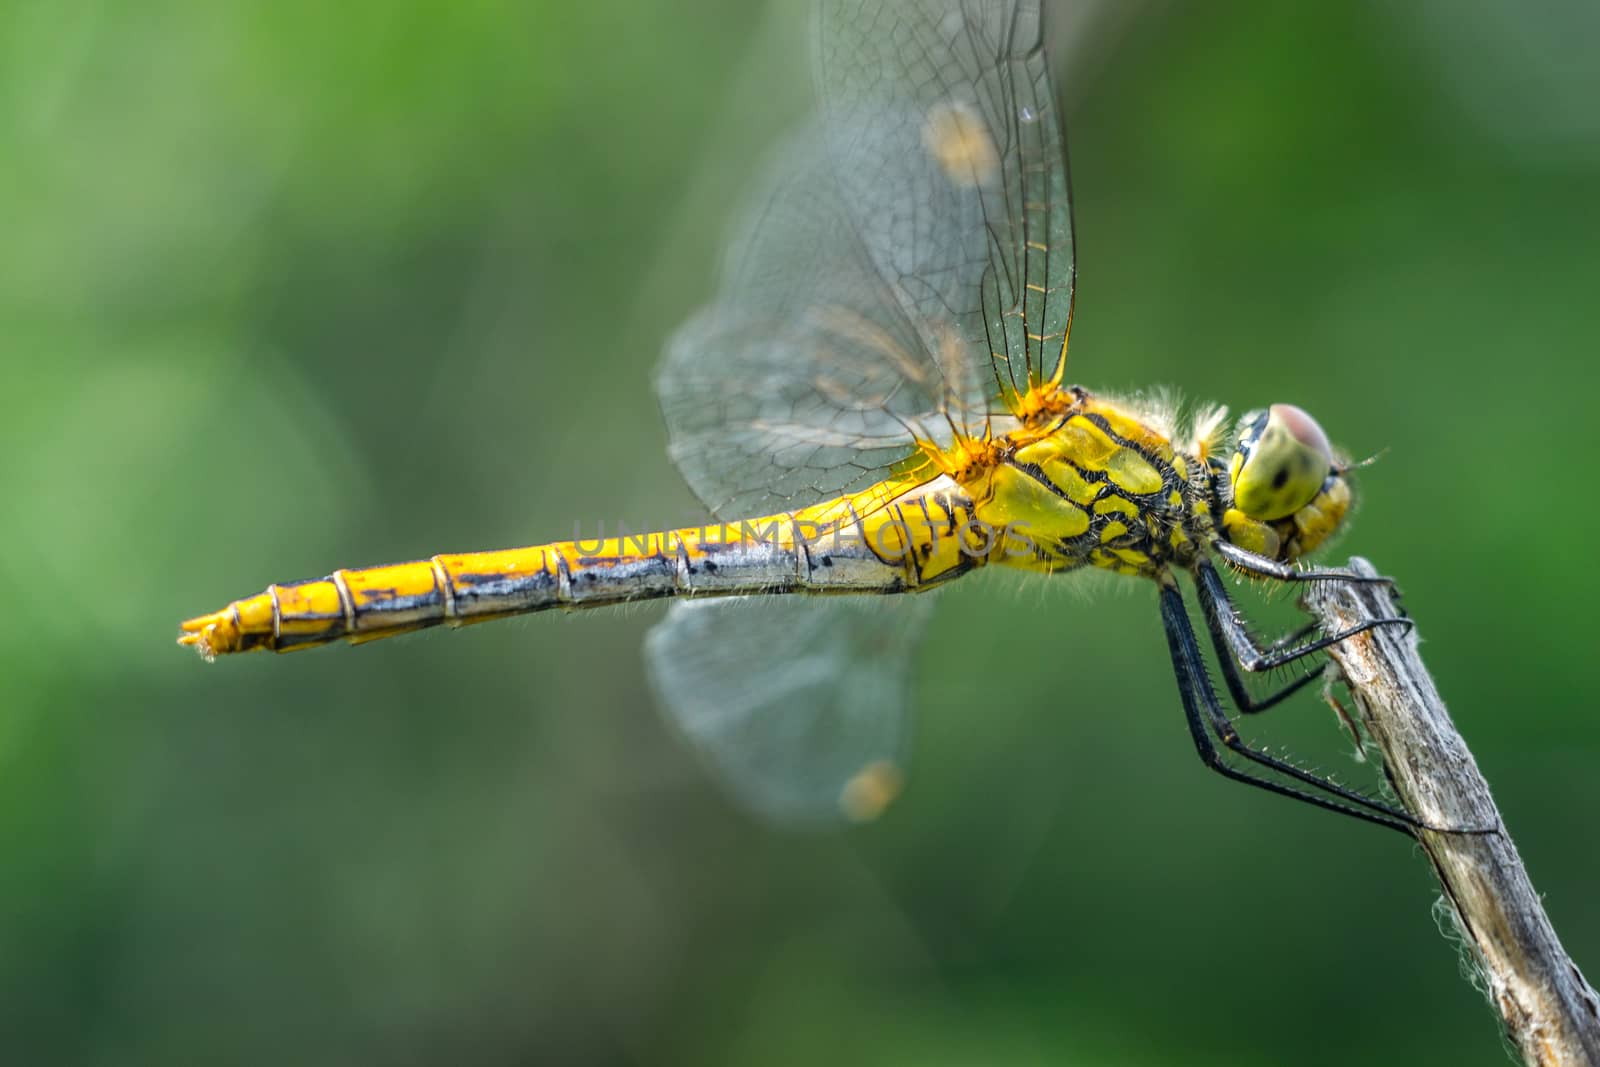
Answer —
(1550, 1012)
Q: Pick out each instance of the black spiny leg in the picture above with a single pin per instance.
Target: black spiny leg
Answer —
(1266, 567)
(1246, 701)
(1235, 643)
(1201, 708)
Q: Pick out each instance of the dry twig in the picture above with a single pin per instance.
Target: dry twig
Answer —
(1550, 1012)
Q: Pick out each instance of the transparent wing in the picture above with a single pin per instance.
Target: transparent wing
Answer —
(906, 263)
(943, 134)
(806, 379)
(799, 703)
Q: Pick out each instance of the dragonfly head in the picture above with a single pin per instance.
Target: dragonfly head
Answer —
(1289, 493)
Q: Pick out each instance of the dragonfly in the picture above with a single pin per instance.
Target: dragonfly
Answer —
(875, 405)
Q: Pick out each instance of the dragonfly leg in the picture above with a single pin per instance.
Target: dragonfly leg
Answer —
(1266, 567)
(1237, 647)
(1227, 652)
(1202, 709)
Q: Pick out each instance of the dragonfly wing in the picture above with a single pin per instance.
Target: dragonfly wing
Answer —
(905, 263)
(798, 702)
(944, 137)
(805, 379)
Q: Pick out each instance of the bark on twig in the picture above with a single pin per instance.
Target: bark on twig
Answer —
(1550, 1012)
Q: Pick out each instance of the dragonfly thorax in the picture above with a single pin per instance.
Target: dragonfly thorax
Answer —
(1101, 486)
(1106, 486)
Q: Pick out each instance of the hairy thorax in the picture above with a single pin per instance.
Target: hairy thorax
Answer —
(1098, 486)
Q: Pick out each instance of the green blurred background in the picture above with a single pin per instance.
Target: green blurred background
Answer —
(286, 287)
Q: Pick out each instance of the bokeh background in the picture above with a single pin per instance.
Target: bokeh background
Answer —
(285, 287)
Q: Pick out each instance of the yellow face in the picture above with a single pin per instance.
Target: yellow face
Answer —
(1289, 493)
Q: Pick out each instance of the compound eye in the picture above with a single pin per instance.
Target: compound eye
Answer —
(1280, 462)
